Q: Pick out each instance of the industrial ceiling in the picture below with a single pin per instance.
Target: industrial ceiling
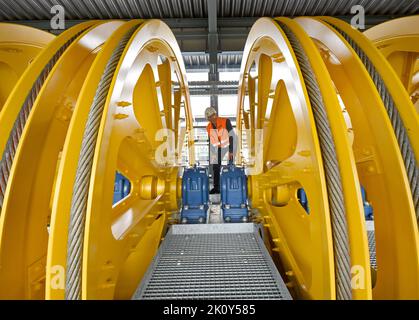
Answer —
(210, 33)
(189, 19)
(182, 9)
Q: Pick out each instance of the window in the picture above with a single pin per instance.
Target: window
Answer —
(197, 76)
(229, 76)
(227, 105)
(198, 105)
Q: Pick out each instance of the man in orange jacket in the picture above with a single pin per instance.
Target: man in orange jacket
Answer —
(220, 134)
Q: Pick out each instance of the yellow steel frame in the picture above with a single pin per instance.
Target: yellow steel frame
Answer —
(398, 41)
(26, 209)
(57, 247)
(149, 92)
(34, 214)
(302, 241)
(359, 254)
(19, 45)
(379, 164)
(12, 107)
(139, 103)
(152, 40)
(401, 98)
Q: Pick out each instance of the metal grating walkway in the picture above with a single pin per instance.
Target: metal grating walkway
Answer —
(212, 261)
(371, 243)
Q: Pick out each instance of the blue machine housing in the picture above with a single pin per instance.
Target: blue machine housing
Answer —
(234, 194)
(302, 198)
(122, 188)
(195, 196)
(368, 210)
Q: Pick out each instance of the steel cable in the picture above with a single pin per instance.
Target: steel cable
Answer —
(83, 175)
(20, 122)
(331, 168)
(400, 131)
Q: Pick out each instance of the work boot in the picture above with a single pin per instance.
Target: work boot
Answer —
(214, 191)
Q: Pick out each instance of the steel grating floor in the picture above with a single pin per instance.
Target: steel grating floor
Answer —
(371, 246)
(371, 242)
(212, 261)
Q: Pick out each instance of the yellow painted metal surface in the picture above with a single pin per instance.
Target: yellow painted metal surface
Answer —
(110, 238)
(126, 143)
(12, 107)
(398, 41)
(57, 247)
(26, 211)
(19, 45)
(401, 98)
(296, 163)
(379, 164)
(304, 241)
(33, 221)
(148, 96)
(359, 256)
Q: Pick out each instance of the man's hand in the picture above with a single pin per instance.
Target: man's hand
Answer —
(230, 156)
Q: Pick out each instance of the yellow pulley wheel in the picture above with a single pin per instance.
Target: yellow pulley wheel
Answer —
(403, 117)
(398, 41)
(26, 210)
(16, 111)
(19, 45)
(379, 164)
(278, 90)
(13, 118)
(135, 92)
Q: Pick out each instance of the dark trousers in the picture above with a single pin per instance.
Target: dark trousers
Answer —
(216, 168)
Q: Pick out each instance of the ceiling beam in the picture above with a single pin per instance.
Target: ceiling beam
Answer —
(193, 34)
(212, 49)
(221, 23)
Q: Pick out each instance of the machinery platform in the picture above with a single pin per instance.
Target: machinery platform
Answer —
(215, 209)
(213, 261)
(371, 243)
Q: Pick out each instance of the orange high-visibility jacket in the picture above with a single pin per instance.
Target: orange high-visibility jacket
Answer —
(218, 137)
